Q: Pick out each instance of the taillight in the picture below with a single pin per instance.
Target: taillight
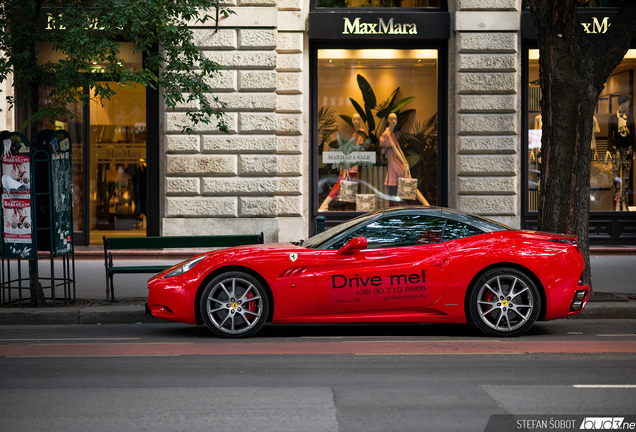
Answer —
(569, 242)
(565, 241)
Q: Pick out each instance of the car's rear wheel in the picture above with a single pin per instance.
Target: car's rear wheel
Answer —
(504, 302)
(234, 304)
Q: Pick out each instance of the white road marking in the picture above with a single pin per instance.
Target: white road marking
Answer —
(444, 353)
(68, 339)
(604, 386)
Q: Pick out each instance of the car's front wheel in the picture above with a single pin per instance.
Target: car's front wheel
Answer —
(504, 302)
(234, 304)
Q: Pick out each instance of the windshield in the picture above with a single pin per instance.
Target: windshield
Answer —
(320, 239)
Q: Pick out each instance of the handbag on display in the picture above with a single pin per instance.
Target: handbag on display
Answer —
(407, 188)
(365, 202)
(601, 175)
(348, 191)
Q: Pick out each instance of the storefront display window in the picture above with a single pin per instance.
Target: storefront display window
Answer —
(432, 4)
(377, 128)
(612, 179)
(118, 163)
(108, 155)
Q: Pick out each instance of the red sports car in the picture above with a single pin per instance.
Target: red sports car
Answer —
(400, 265)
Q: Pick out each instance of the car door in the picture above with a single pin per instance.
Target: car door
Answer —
(404, 266)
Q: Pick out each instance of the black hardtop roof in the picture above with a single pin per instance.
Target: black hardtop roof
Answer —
(485, 224)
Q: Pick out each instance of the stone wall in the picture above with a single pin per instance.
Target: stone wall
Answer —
(251, 180)
(486, 177)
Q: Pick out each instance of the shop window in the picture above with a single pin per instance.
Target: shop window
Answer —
(612, 179)
(431, 4)
(111, 199)
(118, 162)
(377, 128)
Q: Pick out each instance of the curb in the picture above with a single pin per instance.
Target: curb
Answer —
(78, 315)
(608, 310)
(133, 314)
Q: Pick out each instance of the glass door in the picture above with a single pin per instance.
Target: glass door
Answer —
(118, 164)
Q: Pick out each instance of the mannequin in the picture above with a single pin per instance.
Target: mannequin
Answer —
(538, 124)
(344, 174)
(398, 165)
(595, 130)
(620, 149)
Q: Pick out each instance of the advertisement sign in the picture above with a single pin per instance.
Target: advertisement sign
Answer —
(61, 190)
(353, 157)
(17, 224)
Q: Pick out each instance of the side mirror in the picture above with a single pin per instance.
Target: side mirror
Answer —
(355, 244)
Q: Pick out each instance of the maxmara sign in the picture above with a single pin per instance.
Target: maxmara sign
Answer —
(379, 27)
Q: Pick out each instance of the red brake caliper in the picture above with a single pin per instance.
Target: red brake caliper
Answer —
(251, 306)
(489, 298)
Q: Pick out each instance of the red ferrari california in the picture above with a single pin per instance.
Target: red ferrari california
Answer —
(399, 265)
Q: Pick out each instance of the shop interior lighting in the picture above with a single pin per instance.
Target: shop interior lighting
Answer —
(631, 54)
(376, 54)
(533, 54)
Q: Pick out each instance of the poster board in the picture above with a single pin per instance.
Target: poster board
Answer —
(60, 145)
(18, 233)
(54, 200)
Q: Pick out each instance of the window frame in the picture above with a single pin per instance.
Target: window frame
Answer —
(441, 45)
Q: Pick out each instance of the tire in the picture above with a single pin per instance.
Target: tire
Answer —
(504, 302)
(234, 305)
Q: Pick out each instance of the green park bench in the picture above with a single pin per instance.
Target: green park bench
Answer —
(169, 242)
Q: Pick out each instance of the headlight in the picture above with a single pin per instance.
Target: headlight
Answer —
(184, 267)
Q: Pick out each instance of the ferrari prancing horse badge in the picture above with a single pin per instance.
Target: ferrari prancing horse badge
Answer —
(293, 257)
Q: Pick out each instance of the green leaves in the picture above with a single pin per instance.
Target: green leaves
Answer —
(347, 146)
(85, 39)
(361, 112)
(347, 119)
(367, 92)
(395, 107)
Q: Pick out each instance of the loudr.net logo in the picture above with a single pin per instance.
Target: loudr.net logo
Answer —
(602, 423)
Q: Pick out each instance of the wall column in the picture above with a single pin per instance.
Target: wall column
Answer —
(487, 169)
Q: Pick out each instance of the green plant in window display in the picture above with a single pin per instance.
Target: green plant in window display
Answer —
(326, 126)
(420, 148)
(382, 110)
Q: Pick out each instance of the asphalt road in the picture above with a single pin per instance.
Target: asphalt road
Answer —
(172, 377)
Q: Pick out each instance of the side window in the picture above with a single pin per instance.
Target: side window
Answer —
(398, 231)
(456, 230)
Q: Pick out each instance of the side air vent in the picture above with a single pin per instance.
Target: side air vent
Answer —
(294, 272)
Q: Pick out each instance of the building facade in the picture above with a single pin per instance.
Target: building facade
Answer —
(310, 86)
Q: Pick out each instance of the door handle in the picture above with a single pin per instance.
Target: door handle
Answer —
(442, 262)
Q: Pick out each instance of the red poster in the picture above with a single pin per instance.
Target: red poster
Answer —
(17, 220)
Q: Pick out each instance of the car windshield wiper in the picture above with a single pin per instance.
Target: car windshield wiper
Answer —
(298, 243)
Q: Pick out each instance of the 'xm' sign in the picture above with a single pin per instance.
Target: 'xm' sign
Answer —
(595, 26)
